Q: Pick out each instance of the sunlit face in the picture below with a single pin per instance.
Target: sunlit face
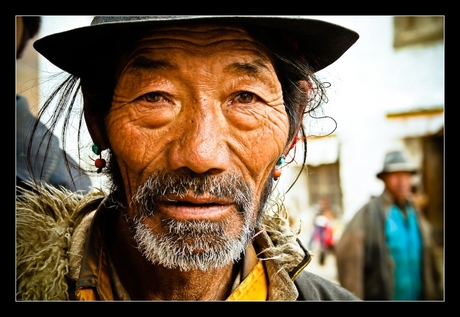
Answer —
(197, 123)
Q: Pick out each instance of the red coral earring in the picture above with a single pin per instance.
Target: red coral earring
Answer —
(100, 163)
(277, 171)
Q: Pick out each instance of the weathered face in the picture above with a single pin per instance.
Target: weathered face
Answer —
(201, 101)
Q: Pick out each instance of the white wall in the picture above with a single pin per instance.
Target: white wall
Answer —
(368, 81)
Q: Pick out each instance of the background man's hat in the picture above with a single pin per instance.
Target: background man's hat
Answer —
(397, 161)
(321, 43)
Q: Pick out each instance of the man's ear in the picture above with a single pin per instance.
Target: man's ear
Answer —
(306, 87)
(96, 129)
(291, 144)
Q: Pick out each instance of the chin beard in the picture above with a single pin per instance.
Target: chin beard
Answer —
(194, 244)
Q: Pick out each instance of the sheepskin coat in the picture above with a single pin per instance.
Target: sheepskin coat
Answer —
(52, 226)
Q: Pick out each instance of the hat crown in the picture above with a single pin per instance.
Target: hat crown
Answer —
(395, 157)
(397, 161)
(130, 18)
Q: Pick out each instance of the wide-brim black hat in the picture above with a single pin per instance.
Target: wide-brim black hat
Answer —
(396, 161)
(321, 43)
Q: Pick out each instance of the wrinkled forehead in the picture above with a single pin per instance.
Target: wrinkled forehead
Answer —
(197, 40)
(197, 36)
(204, 32)
(199, 33)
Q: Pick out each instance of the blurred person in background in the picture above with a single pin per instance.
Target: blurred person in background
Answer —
(49, 163)
(386, 251)
(322, 237)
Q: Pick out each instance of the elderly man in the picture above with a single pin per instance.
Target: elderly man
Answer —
(386, 251)
(191, 118)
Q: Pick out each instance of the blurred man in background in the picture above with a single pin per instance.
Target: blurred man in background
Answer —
(386, 250)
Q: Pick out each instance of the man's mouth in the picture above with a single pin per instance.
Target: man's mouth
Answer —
(195, 207)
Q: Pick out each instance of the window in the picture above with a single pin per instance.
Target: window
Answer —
(415, 30)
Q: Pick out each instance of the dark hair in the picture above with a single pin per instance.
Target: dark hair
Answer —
(98, 79)
(31, 26)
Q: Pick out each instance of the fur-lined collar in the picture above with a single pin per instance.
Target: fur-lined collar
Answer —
(48, 249)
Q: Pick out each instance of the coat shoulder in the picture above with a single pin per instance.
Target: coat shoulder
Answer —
(316, 288)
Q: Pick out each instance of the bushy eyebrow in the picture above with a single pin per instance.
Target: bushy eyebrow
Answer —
(252, 68)
(143, 62)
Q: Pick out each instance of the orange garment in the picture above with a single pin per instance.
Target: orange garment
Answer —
(253, 288)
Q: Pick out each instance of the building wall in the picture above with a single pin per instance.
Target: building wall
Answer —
(380, 96)
(26, 75)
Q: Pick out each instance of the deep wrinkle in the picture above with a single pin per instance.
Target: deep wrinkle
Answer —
(146, 63)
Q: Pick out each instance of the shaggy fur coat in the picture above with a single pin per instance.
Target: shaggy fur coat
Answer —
(51, 229)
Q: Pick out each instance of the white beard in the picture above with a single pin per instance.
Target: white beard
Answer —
(191, 245)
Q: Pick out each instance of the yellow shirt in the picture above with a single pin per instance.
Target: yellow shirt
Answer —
(254, 287)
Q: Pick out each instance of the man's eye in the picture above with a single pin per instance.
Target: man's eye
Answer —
(153, 97)
(245, 97)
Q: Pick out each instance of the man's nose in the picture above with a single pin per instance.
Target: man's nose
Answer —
(202, 145)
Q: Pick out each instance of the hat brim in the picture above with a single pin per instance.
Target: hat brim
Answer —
(395, 169)
(321, 43)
